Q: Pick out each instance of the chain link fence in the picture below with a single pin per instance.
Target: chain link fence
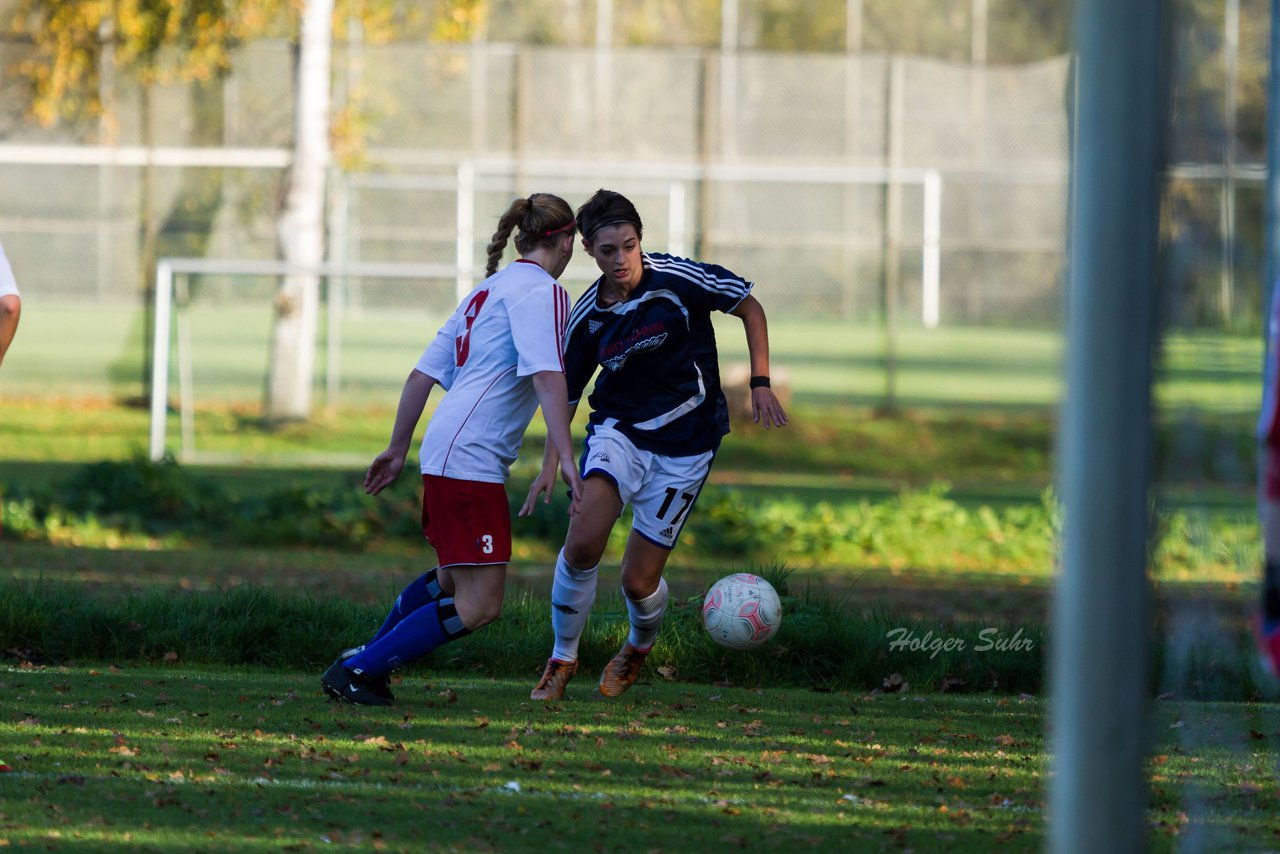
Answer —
(641, 120)
(801, 172)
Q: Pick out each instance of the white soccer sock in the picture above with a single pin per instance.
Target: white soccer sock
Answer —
(572, 593)
(646, 616)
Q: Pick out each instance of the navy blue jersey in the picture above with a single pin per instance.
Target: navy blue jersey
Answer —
(659, 381)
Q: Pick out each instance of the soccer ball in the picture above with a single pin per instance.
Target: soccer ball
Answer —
(741, 611)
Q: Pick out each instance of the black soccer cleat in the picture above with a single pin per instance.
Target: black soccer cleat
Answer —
(381, 685)
(342, 684)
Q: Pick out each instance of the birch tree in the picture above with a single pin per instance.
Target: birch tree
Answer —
(301, 225)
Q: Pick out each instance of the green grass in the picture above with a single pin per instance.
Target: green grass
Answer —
(171, 758)
(151, 757)
(819, 645)
(128, 607)
(140, 506)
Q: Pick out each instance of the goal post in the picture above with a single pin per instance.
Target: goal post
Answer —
(929, 181)
(674, 184)
(171, 276)
(674, 179)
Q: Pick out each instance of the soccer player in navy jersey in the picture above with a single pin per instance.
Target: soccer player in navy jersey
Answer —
(657, 418)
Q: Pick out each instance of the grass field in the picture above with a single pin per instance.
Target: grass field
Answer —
(165, 758)
(937, 517)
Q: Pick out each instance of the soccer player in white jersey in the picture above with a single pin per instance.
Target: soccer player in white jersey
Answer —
(10, 305)
(657, 418)
(498, 357)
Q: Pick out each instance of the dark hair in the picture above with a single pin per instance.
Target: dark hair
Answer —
(542, 218)
(606, 208)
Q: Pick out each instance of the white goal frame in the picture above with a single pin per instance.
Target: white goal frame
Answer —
(168, 272)
(674, 180)
(677, 180)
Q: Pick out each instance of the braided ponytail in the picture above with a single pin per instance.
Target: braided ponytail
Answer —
(542, 219)
(506, 224)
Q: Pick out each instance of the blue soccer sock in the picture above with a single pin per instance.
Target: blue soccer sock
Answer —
(423, 590)
(425, 629)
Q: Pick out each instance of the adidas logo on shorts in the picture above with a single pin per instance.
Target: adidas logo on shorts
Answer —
(667, 533)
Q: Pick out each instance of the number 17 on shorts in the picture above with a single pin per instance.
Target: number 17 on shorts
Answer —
(660, 510)
(660, 489)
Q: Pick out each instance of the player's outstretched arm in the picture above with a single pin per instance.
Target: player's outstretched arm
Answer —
(765, 405)
(558, 455)
(386, 467)
(545, 481)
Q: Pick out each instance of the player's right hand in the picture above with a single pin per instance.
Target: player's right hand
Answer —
(383, 471)
(569, 474)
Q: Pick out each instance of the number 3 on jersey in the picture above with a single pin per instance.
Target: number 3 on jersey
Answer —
(462, 343)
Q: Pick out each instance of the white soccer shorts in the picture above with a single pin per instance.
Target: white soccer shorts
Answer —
(660, 489)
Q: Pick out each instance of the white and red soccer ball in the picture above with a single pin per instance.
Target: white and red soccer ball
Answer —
(741, 611)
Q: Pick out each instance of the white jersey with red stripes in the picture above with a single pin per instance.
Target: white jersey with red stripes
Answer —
(503, 332)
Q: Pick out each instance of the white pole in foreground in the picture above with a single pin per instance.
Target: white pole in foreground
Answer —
(1099, 659)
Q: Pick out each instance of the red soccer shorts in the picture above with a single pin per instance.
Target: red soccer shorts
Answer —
(466, 521)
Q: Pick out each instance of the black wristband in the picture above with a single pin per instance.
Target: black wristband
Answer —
(759, 382)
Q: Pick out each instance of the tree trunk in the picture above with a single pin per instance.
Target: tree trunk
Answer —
(293, 339)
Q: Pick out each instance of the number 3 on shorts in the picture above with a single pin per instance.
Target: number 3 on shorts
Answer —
(486, 544)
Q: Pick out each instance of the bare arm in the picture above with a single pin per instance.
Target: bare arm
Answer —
(764, 403)
(553, 397)
(386, 466)
(553, 459)
(10, 309)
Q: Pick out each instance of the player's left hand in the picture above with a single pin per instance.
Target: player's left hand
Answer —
(541, 486)
(383, 471)
(766, 407)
